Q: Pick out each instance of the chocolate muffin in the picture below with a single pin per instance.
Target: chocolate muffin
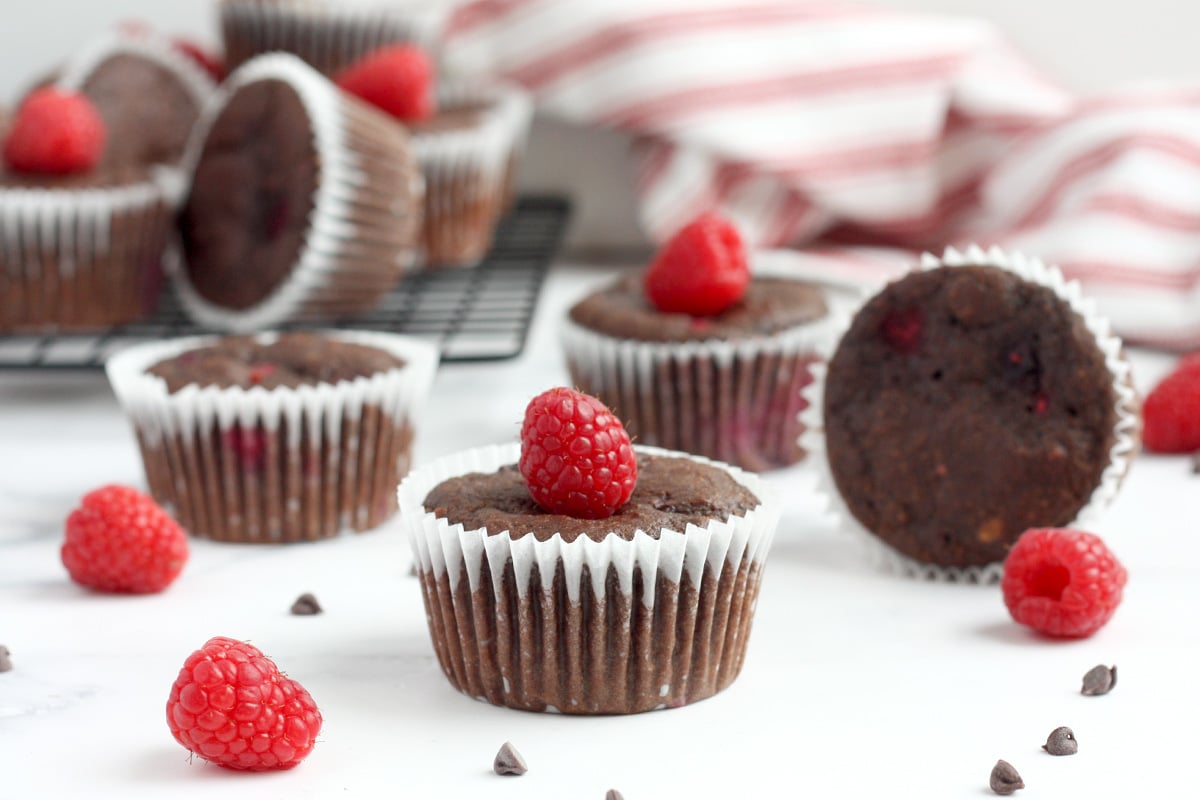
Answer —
(649, 608)
(149, 95)
(275, 438)
(328, 208)
(82, 251)
(969, 402)
(469, 151)
(329, 35)
(727, 386)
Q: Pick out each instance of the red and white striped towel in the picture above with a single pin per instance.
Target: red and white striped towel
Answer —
(863, 135)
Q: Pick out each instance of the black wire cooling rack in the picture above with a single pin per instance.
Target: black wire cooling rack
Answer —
(477, 314)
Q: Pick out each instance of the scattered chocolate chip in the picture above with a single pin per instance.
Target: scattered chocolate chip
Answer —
(306, 605)
(1005, 778)
(509, 762)
(1061, 742)
(5, 662)
(412, 570)
(1099, 680)
(613, 794)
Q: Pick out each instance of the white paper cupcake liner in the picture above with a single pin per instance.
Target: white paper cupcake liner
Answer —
(1121, 454)
(279, 465)
(735, 401)
(327, 34)
(590, 627)
(349, 207)
(469, 170)
(86, 257)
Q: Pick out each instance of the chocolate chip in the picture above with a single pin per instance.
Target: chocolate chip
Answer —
(613, 794)
(306, 605)
(1005, 778)
(509, 762)
(412, 570)
(1099, 680)
(5, 662)
(1061, 742)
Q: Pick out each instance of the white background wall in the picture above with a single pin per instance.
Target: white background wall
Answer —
(1087, 44)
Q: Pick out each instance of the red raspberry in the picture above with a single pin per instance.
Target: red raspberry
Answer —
(55, 132)
(701, 270)
(397, 79)
(576, 456)
(119, 540)
(232, 706)
(1171, 414)
(1062, 582)
(214, 66)
(902, 329)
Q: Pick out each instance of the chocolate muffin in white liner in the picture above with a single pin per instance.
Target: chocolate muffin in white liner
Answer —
(86, 251)
(736, 399)
(468, 151)
(149, 94)
(328, 210)
(987, 501)
(83, 257)
(286, 464)
(327, 34)
(619, 624)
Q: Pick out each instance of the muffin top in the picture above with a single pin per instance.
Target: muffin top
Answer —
(769, 306)
(148, 110)
(671, 493)
(964, 406)
(251, 197)
(292, 359)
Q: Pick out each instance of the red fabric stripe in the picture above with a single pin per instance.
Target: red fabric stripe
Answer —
(1087, 163)
(1145, 211)
(856, 160)
(670, 107)
(473, 15)
(612, 41)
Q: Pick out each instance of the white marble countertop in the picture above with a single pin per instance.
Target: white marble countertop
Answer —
(856, 683)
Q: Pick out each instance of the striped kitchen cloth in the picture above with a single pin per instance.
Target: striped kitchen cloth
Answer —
(864, 135)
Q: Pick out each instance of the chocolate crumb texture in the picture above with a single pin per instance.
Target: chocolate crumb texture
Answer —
(1005, 779)
(509, 761)
(613, 794)
(1061, 742)
(306, 605)
(1099, 680)
(5, 661)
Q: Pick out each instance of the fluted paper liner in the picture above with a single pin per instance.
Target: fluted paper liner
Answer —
(614, 626)
(330, 35)
(1126, 429)
(738, 401)
(83, 258)
(279, 465)
(469, 170)
(369, 189)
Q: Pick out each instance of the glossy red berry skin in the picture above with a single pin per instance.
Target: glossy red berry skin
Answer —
(702, 270)
(1171, 412)
(55, 132)
(576, 457)
(398, 80)
(232, 706)
(120, 540)
(1062, 582)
